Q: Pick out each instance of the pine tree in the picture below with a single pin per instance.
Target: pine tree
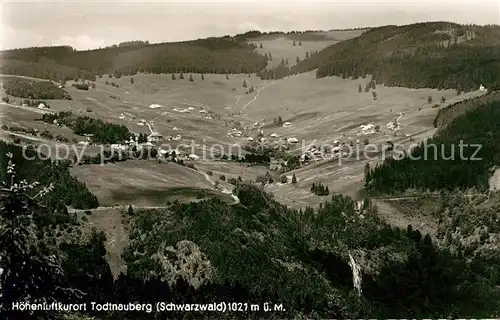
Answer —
(294, 179)
(360, 89)
(191, 77)
(173, 76)
(181, 76)
(307, 54)
(227, 76)
(429, 99)
(270, 56)
(300, 42)
(244, 83)
(297, 59)
(202, 76)
(130, 210)
(30, 270)
(261, 46)
(294, 44)
(131, 80)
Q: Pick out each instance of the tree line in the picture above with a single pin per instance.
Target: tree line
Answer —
(441, 162)
(417, 56)
(23, 88)
(303, 262)
(211, 55)
(319, 189)
(102, 132)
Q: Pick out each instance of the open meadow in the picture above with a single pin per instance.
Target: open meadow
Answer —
(198, 115)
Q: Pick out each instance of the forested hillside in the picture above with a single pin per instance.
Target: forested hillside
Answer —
(435, 54)
(30, 166)
(211, 55)
(23, 88)
(256, 252)
(446, 115)
(440, 163)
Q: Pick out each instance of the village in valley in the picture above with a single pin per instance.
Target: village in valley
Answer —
(298, 139)
(261, 166)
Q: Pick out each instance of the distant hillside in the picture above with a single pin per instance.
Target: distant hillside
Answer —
(438, 55)
(211, 55)
(446, 115)
(440, 163)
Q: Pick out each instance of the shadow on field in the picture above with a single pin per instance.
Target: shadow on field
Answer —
(158, 197)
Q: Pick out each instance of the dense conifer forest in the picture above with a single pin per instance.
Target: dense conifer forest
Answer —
(211, 55)
(102, 132)
(23, 88)
(258, 251)
(434, 54)
(440, 163)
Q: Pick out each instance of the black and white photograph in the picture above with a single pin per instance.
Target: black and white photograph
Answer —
(249, 159)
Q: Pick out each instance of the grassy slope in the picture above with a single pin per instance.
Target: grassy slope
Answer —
(281, 45)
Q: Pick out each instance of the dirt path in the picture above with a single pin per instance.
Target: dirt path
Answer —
(255, 97)
(123, 207)
(103, 105)
(32, 109)
(24, 77)
(224, 191)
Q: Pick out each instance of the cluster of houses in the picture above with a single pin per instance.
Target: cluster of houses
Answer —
(187, 110)
(318, 151)
(367, 129)
(234, 133)
(153, 137)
